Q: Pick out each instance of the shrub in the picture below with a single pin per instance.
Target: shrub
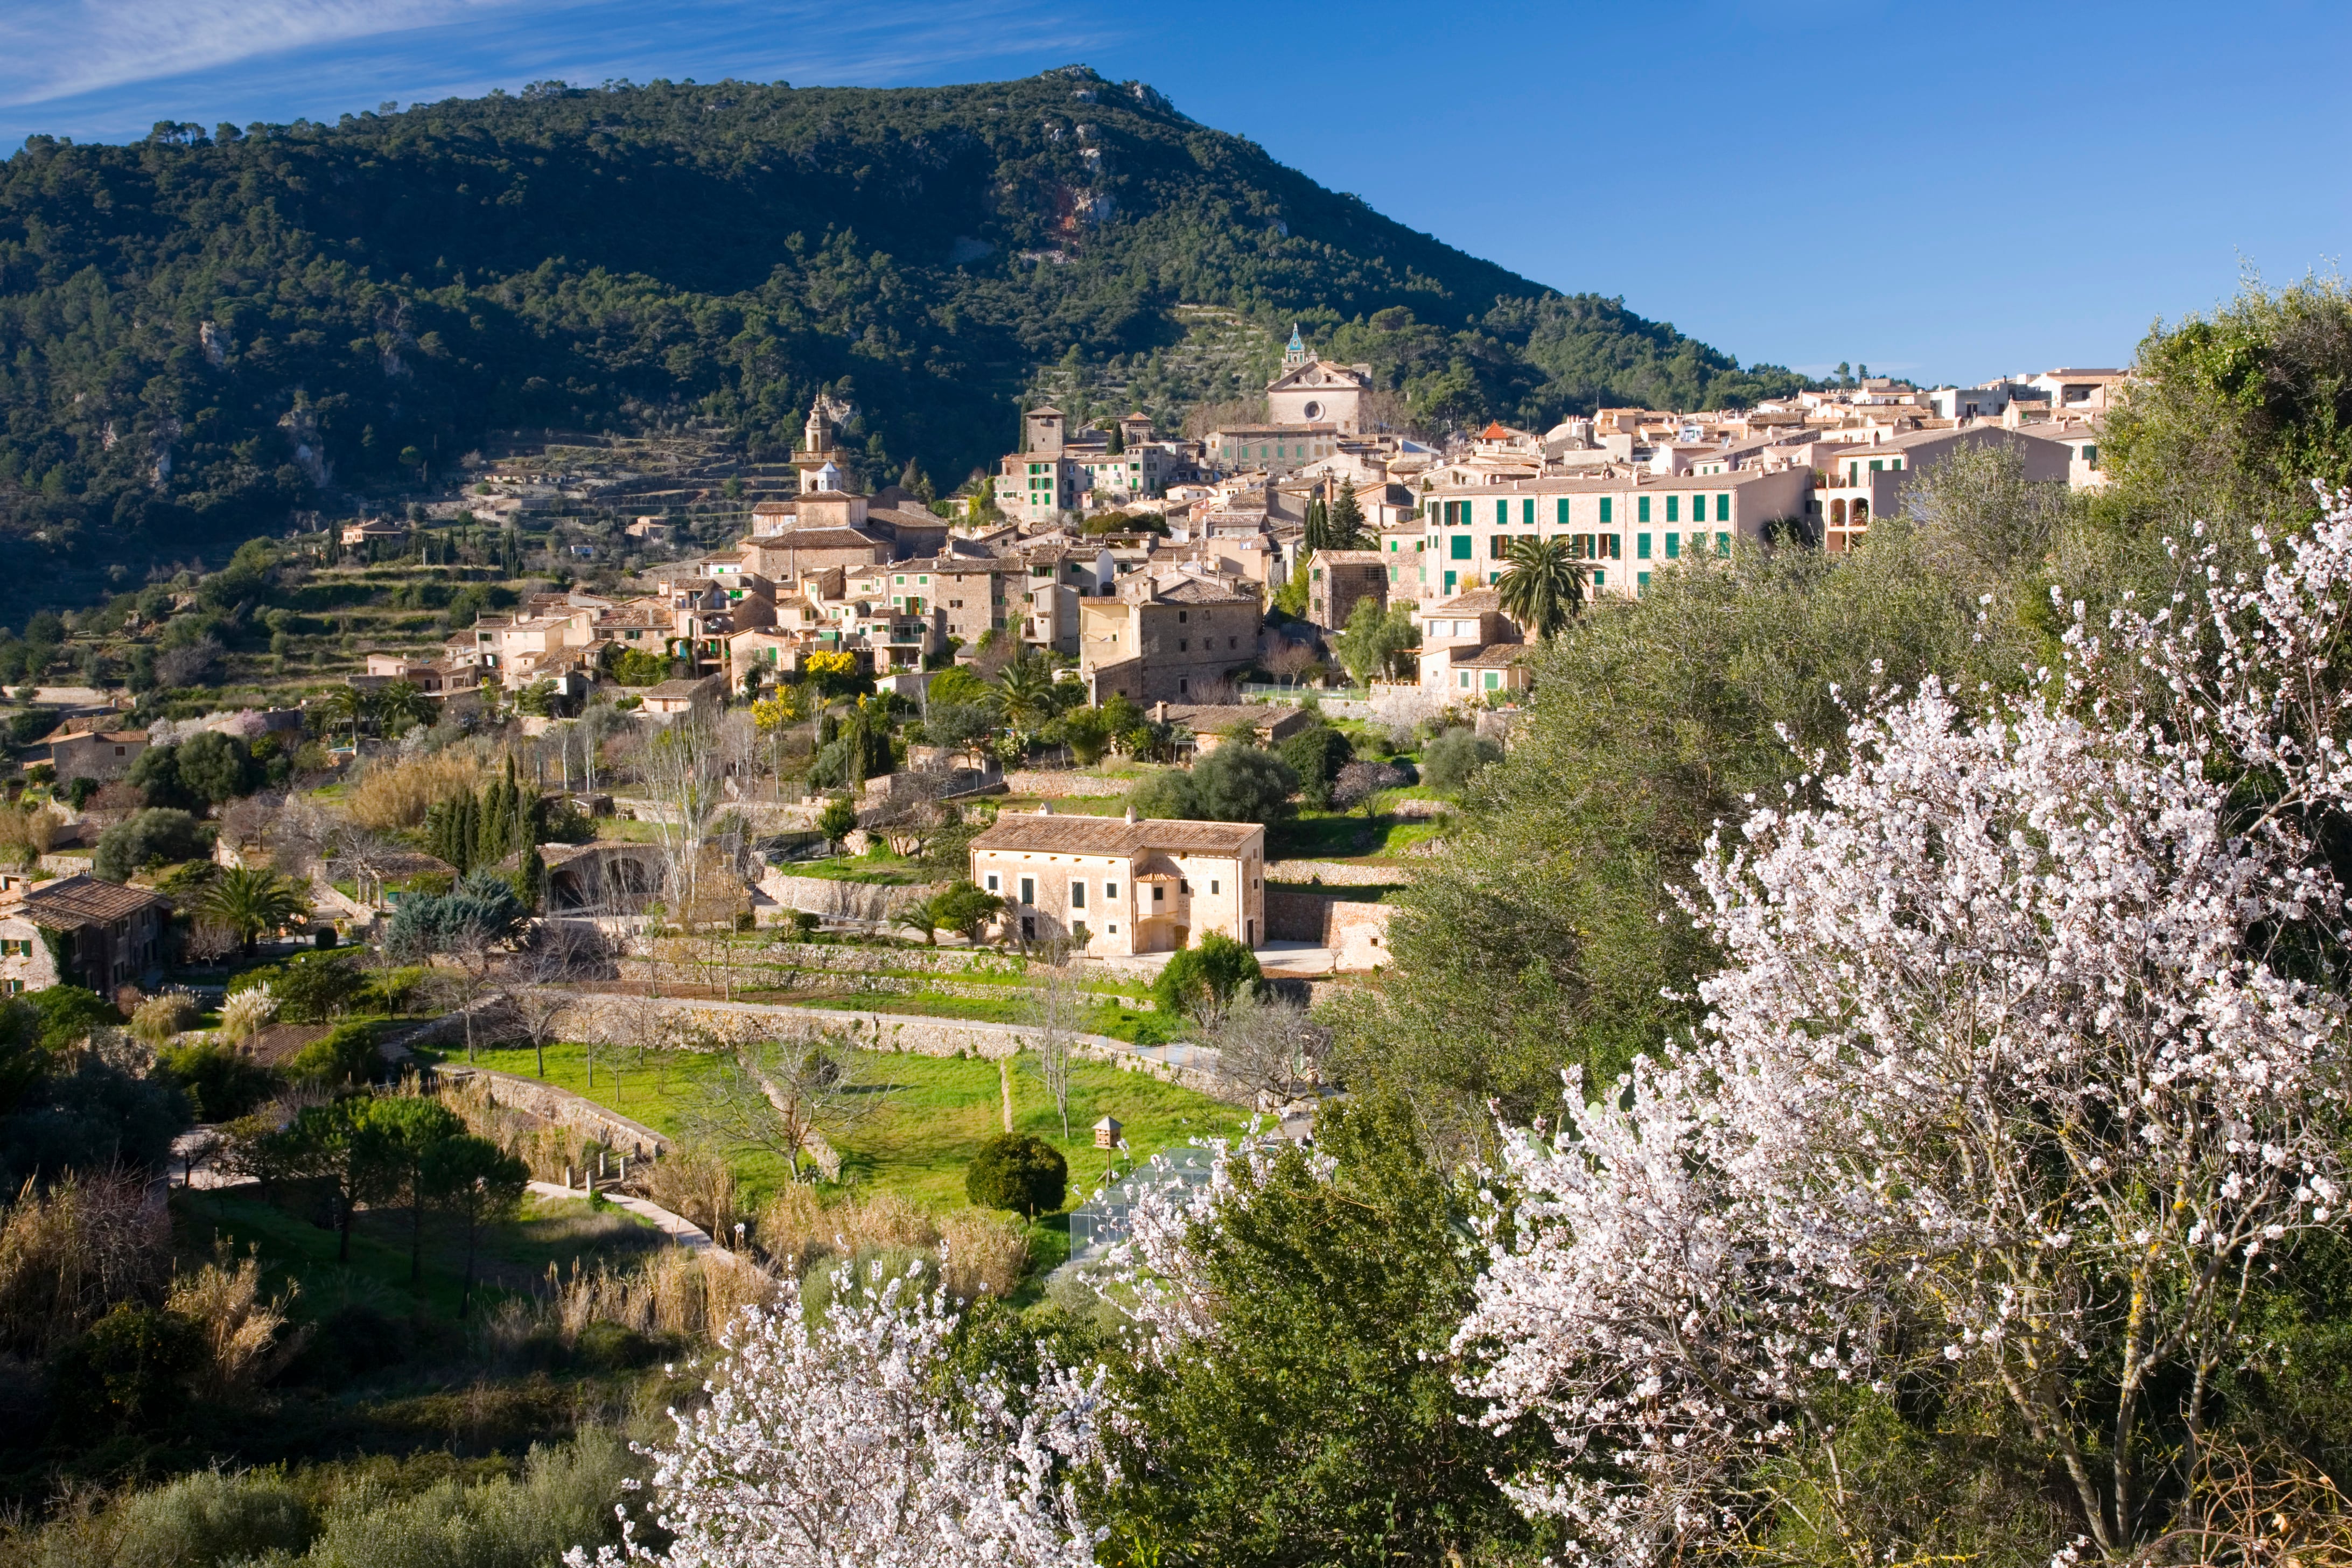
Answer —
(95, 1118)
(397, 795)
(68, 1254)
(563, 1498)
(318, 990)
(154, 837)
(244, 1332)
(1233, 783)
(1316, 755)
(208, 1518)
(217, 768)
(1018, 1171)
(130, 1371)
(30, 725)
(66, 1014)
(1447, 762)
(347, 1055)
(221, 1084)
(1203, 979)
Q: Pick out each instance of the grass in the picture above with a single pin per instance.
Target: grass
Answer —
(512, 1256)
(938, 1111)
(886, 870)
(1348, 835)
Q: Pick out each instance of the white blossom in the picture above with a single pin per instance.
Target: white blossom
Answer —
(1999, 1052)
(837, 1445)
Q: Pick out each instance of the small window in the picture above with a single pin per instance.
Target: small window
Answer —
(1110, 891)
(1599, 579)
(1114, 928)
(1078, 895)
(1028, 890)
(1183, 887)
(1159, 893)
(992, 882)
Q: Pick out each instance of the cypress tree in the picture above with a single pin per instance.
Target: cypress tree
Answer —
(1346, 529)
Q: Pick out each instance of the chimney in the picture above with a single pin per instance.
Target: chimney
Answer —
(1130, 817)
(1044, 808)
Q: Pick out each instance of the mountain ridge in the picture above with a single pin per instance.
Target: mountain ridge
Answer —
(203, 333)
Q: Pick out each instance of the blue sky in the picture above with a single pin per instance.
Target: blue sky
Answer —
(1946, 192)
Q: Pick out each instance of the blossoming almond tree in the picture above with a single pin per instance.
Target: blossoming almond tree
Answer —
(835, 1444)
(2013, 1058)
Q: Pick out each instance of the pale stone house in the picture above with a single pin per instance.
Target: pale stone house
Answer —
(1133, 887)
(79, 931)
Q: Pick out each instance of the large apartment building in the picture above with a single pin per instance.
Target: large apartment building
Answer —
(1627, 528)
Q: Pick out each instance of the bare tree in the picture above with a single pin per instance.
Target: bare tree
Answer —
(786, 1095)
(681, 769)
(538, 1005)
(1055, 1008)
(1289, 659)
(1269, 1051)
(470, 977)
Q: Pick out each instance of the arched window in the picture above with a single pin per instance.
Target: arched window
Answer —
(1837, 514)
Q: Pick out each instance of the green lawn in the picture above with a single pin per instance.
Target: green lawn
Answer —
(512, 1256)
(888, 870)
(936, 1113)
(1349, 836)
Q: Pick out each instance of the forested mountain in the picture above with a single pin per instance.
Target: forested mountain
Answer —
(202, 333)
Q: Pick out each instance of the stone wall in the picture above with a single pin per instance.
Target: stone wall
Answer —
(564, 1108)
(1054, 783)
(1336, 874)
(609, 1018)
(872, 903)
(1356, 933)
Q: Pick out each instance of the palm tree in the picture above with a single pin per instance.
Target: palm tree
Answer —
(1543, 588)
(922, 915)
(249, 901)
(1025, 690)
(402, 702)
(347, 705)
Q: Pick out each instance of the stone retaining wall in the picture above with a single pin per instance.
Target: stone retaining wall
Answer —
(1356, 933)
(564, 1108)
(1053, 783)
(1336, 874)
(608, 1018)
(872, 903)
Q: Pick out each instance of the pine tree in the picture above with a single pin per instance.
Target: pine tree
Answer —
(1318, 527)
(1118, 447)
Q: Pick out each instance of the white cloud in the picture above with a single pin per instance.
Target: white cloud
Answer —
(61, 49)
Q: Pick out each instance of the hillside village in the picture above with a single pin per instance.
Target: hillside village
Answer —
(1107, 592)
(512, 932)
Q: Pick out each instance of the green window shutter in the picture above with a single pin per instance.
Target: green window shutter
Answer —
(1498, 546)
(1608, 508)
(1723, 544)
(1449, 582)
(1460, 547)
(1877, 464)
(1527, 511)
(1641, 581)
(1642, 551)
(1674, 506)
(1723, 508)
(1642, 509)
(1501, 513)
(1563, 511)
(1600, 578)
(1674, 545)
